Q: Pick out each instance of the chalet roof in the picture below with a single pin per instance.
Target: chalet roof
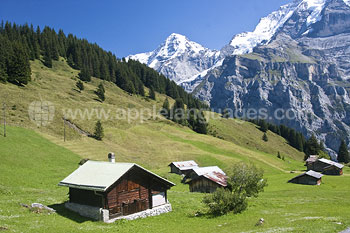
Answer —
(330, 162)
(99, 176)
(213, 173)
(311, 173)
(204, 170)
(217, 177)
(185, 165)
(312, 158)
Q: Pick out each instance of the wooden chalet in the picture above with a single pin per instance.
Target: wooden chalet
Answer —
(326, 167)
(206, 179)
(120, 188)
(182, 167)
(307, 178)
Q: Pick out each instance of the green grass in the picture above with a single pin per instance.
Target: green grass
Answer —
(35, 159)
(32, 166)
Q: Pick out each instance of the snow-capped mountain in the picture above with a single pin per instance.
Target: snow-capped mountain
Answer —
(187, 62)
(270, 25)
(303, 68)
(178, 58)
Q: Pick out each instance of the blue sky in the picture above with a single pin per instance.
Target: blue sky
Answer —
(129, 27)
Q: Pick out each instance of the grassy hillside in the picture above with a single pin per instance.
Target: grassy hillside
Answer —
(35, 159)
(31, 166)
(154, 142)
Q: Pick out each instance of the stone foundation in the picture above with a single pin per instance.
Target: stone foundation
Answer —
(95, 213)
(146, 213)
(100, 214)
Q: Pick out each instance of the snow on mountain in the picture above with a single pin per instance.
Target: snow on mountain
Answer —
(268, 26)
(178, 58)
(187, 62)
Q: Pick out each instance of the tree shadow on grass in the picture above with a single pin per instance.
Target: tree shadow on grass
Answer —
(64, 212)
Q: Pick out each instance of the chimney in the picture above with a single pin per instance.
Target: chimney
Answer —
(111, 157)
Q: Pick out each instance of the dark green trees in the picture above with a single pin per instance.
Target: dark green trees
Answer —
(265, 138)
(152, 94)
(18, 68)
(80, 85)
(85, 75)
(263, 125)
(21, 43)
(343, 153)
(226, 113)
(99, 134)
(312, 147)
(165, 111)
(201, 125)
(100, 92)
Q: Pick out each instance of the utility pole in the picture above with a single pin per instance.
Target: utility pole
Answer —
(4, 109)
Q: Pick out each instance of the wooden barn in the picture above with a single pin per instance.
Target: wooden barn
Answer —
(182, 167)
(308, 178)
(310, 161)
(327, 167)
(120, 188)
(207, 180)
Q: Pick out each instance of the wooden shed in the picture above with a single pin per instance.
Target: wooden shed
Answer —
(207, 182)
(308, 178)
(120, 188)
(327, 167)
(310, 161)
(182, 167)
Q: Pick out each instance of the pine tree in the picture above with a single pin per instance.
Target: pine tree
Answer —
(178, 112)
(165, 111)
(265, 138)
(99, 134)
(312, 147)
(226, 113)
(85, 75)
(80, 85)
(279, 155)
(263, 125)
(343, 153)
(47, 61)
(299, 142)
(100, 92)
(152, 94)
(201, 124)
(18, 69)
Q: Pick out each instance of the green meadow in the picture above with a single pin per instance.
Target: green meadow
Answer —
(34, 159)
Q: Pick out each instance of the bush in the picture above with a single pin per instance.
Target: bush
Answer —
(244, 181)
(223, 201)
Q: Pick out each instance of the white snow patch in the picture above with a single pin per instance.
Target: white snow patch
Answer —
(347, 2)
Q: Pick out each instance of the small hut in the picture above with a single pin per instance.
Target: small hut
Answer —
(109, 190)
(182, 167)
(308, 178)
(207, 179)
(327, 167)
(310, 161)
(198, 171)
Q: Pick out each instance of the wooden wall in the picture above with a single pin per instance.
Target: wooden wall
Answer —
(132, 193)
(203, 185)
(85, 197)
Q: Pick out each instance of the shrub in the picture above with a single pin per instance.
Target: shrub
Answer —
(223, 201)
(244, 181)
